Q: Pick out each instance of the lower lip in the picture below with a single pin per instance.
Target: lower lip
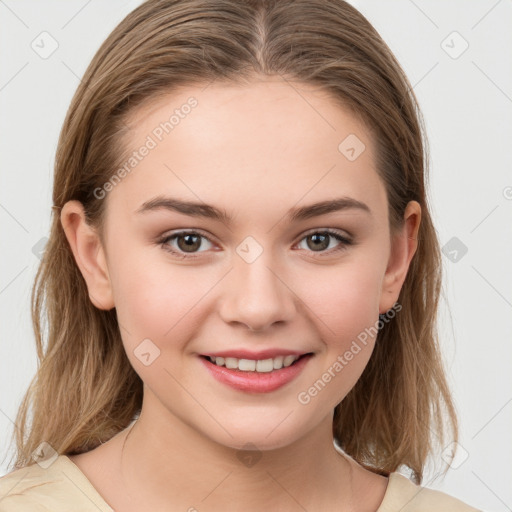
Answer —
(256, 382)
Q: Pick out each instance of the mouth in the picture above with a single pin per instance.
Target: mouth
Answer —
(256, 375)
(266, 365)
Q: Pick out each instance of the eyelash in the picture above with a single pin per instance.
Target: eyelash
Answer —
(335, 234)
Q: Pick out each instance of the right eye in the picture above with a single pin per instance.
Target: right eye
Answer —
(187, 243)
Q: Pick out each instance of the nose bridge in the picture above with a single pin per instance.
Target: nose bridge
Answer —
(257, 295)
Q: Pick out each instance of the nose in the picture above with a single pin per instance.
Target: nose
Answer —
(257, 295)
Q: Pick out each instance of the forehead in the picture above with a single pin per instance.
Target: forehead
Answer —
(266, 145)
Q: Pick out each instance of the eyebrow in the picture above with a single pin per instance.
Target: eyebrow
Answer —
(211, 212)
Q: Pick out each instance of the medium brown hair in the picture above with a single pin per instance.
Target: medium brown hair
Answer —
(85, 390)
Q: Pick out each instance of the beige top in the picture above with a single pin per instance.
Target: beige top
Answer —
(62, 487)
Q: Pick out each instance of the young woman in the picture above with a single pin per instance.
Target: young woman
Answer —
(242, 276)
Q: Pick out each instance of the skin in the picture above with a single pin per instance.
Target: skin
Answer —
(256, 151)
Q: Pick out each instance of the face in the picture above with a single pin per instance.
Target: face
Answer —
(266, 276)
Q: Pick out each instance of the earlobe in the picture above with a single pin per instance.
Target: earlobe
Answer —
(89, 254)
(403, 248)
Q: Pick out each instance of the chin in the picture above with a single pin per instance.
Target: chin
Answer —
(262, 437)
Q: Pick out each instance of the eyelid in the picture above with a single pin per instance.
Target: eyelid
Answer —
(163, 239)
(337, 231)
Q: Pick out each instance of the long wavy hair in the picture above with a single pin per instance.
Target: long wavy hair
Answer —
(85, 390)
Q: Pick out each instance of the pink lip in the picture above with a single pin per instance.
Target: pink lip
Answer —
(247, 354)
(254, 381)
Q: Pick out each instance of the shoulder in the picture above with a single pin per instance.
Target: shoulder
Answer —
(404, 495)
(54, 488)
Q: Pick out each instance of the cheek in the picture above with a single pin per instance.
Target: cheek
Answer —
(157, 299)
(344, 299)
(343, 305)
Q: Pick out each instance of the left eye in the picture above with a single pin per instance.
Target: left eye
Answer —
(319, 239)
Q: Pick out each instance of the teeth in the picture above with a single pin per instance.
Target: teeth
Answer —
(230, 362)
(265, 365)
(251, 365)
(288, 360)
(278, 362)
(247, 365)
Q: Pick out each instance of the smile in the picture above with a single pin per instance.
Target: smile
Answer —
(255, 375)
(252, 365)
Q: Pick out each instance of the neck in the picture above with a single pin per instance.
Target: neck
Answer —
(171, 466)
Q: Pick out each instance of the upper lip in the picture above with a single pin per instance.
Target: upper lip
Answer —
(248, 354)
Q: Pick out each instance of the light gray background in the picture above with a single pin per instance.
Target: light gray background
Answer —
(467, 104)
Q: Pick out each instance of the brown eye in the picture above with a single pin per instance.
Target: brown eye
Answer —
(190, 242)
(319, 241)
(187, 242)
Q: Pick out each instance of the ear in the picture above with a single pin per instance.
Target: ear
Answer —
(89, 254)
(403, 247)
